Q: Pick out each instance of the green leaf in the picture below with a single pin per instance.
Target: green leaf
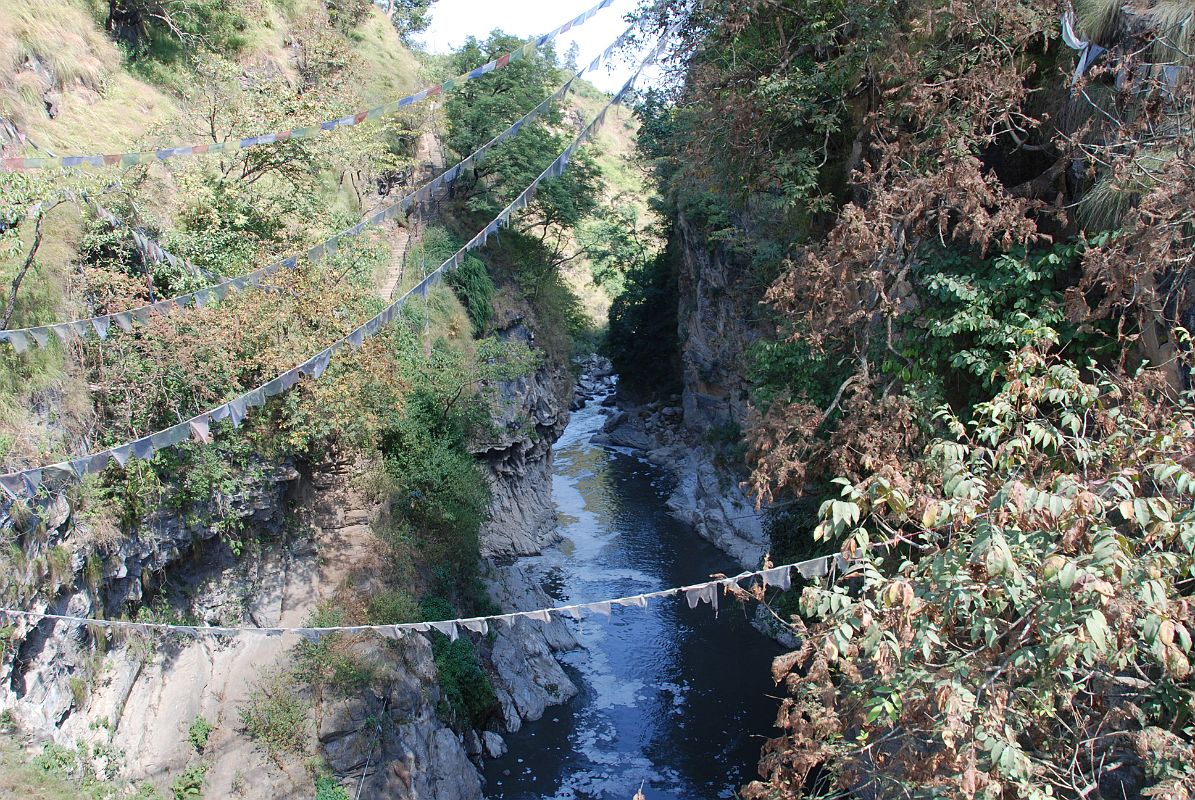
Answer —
(1097, 629)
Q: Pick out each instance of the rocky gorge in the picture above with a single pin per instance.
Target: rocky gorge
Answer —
(310, 534)
(305, 536)
(693, 433)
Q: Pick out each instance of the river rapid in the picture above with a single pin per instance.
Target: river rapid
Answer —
(679, 700)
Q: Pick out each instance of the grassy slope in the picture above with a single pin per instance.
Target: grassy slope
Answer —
(100, 106)
(21, 778)
(103, 106)
(614, 149)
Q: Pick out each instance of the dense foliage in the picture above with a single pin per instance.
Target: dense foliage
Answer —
(641, 338)
(980, 270)
(483, 109)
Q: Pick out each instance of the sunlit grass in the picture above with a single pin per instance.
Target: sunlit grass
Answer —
(391, 70)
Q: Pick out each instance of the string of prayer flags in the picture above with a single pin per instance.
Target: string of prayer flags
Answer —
(21, 339)
(307, 131)
(28, 481)
(1090, 51)
(705, 592)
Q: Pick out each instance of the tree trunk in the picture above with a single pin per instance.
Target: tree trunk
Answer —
(11, 303)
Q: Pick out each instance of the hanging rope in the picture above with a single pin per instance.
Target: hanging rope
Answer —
(197, 428)
(41, 335)
(705, 592)
(306, 132)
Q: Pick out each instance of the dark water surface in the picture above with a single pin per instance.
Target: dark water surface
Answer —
(676, 698)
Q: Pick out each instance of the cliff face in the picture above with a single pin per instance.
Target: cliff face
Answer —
(530, 417)
(532, 412)
(717, 310)
(137, 697)
(717, 306)
(311, 537)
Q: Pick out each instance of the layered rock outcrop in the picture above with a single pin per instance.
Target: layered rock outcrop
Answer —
(718, 298)
(529, 418)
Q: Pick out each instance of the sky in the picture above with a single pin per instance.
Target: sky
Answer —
(455, 20)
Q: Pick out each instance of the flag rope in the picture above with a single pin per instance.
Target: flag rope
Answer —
(28, 481)
(705, 592)
(20, 339)
(308, 131)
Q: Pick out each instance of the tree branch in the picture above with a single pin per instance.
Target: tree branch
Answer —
(11, 303)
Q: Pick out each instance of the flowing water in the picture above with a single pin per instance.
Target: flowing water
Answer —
(677, 699)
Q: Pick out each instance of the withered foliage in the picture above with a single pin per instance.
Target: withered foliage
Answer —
(1035, 636)
(882, 131)
(885, 128)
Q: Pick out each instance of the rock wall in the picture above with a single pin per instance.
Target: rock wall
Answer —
(530, 418)
(717, 307)
(137, 697)
(38, 668)
(532, 414)
(718, 303)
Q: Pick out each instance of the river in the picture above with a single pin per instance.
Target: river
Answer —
(677, 699)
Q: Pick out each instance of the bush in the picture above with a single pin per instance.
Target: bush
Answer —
(467, 688)
(189, 785)
(438, 490)
(324, 663)
(473, 285)
(276, 717)
(326, 788)
(347, 14)
(1054, 533)
(199, 732)
(434, 607)
(978, 310)
(392, 607)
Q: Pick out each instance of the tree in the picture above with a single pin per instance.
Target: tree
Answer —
(166, 29)
(1027, 629)
(483, 109)
(570, 58)
(614, 244)
(410, 17)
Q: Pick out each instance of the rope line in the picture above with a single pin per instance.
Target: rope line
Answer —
(305, 132)
(705, 592)
(197, 428)
(41, 335)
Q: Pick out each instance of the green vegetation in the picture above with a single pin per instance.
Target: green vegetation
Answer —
(165, 31)
(326, 788)
(393, 607)
(199, 732)
(470, 281)
(642, 337)
(466, 686)
(62, 773)
(327, 662)
(189, 785)
(275, 716)
(974, 350)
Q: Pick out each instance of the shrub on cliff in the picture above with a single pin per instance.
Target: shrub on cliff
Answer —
(1031, 633)
(642, 337)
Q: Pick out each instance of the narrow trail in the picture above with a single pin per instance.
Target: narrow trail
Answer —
(429, 158)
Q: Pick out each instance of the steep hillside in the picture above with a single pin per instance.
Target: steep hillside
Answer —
(367, 496)
(931, 270)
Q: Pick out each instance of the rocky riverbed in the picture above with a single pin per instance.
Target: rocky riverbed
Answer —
(706, 496)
